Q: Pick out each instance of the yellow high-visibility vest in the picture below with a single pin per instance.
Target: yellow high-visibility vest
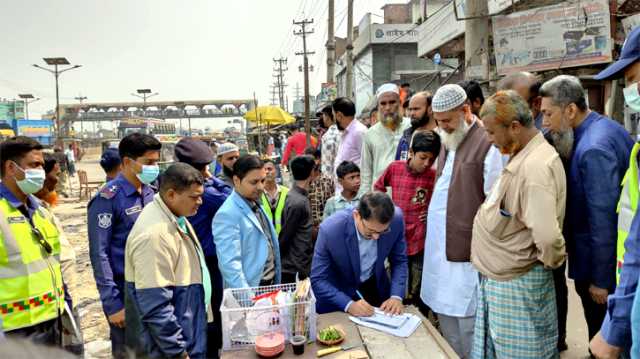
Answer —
(266, 206)
(627, 207)
(31, 290)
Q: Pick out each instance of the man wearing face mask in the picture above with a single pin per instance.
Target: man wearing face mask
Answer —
(615, 336)
(419, 111)
(381, 140)
(29, 248)
(593, 145)
(111, 215)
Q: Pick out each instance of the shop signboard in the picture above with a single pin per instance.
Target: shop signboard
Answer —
(553, 37)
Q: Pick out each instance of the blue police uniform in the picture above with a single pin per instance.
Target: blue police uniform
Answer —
(111, 215)
(215, 193)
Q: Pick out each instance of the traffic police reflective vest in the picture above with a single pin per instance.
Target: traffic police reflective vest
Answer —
(266, 205)
(627, 207)
(30, 278)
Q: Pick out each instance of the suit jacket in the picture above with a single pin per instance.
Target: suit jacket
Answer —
(335, 270)
(599, 161)
(241, 245)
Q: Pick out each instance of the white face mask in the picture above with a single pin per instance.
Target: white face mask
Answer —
(33, 180)
(632, 96)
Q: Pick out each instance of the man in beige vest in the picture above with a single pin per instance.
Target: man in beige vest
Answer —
(517, 238)
(467, 167)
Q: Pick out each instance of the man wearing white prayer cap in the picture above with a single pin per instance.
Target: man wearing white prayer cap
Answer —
(467, 167)
(381, 140)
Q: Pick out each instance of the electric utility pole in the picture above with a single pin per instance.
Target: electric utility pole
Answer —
(331, 44)
(279, 75)
(304, 32)
(476, 40)
(349, 80)
(273, 92)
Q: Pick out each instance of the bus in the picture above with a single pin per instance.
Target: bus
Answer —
(145, 125)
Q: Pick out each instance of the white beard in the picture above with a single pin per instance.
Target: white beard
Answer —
(451, 141)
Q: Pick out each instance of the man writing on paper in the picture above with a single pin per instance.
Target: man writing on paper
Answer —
(348, 272)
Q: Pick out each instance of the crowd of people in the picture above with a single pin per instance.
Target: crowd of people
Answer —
(468, 208)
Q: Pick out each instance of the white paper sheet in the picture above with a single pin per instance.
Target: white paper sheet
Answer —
(403, 331)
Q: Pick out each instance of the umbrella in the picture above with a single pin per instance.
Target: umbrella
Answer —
(272, 115)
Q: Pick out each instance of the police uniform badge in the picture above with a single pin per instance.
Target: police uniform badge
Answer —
(108, 192)
(104, 220)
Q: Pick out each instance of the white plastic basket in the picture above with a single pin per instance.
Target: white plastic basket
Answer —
(242, 321)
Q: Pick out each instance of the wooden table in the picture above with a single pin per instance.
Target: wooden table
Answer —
(425, 342)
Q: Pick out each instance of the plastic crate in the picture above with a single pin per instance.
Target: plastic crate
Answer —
(242, 322)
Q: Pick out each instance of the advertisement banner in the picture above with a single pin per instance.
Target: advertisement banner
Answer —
(33, 131)
(553, 37)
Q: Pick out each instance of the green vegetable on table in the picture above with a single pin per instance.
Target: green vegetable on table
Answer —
(329, 334)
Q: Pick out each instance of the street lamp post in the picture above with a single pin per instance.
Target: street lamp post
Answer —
(28, 99)
(144, 94)
(55, 62)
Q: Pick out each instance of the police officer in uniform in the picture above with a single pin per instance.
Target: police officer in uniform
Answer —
(31, 289)
(111, 215)
(197, 154)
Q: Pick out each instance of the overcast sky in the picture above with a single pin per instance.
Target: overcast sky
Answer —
(185, 50)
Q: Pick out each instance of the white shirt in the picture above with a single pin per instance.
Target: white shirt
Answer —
(70, 155)
(450, 288)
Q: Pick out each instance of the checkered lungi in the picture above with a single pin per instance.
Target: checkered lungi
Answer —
(517, 318)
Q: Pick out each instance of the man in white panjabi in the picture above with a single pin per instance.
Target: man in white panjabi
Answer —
(467, 167)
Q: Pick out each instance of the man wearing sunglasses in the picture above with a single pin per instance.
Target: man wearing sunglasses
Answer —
(347, 272)
(31, 291)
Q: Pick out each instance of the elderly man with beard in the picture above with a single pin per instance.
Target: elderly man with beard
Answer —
(517, 238)
(597, 152)
(467, 167)
(381, 140)
(419, 111)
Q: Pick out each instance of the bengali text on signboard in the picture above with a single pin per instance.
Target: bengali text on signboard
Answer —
(553, 37)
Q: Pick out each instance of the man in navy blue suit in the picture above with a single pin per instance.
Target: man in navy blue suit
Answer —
(347, 272)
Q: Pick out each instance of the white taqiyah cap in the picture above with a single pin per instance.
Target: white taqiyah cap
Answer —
(226, 148)
(387, 88)
(448, 97)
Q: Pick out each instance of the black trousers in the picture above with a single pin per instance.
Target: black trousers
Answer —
(594, 313)
(214, 330)
(369, 290)
(562, 299)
